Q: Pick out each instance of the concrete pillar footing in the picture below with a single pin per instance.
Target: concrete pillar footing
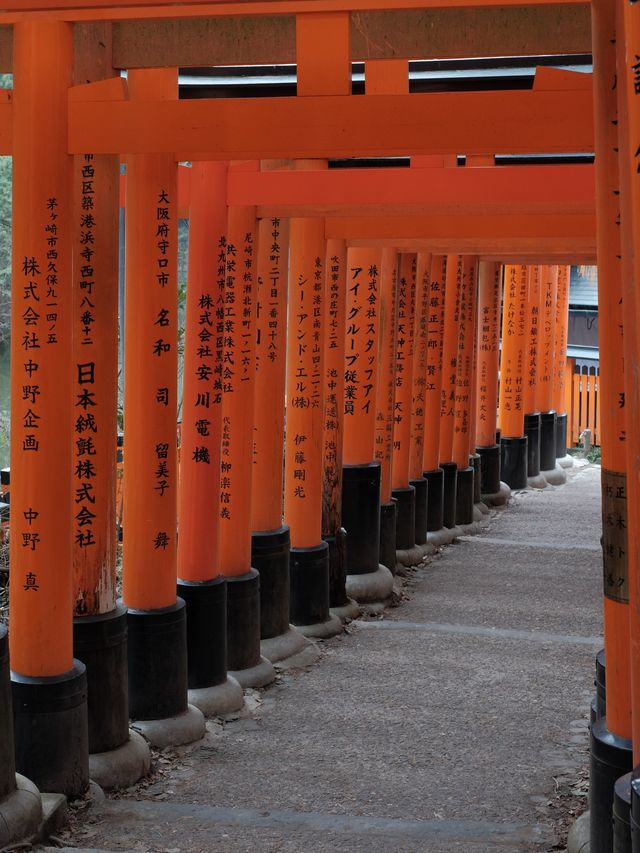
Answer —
(537, 482)
(371, 587)
(347, 612)
(578, 840)
(556, 476)
(123, 766)
(414, 556)
(289, 645)
(220, 699)
(183, 728)
(484, 509)
(565, 461)
(437, 538)
(258, 675)
(499, 498)
(21, 813)
(322, 630)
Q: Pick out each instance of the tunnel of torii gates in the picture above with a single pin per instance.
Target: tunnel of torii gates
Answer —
(376, 307)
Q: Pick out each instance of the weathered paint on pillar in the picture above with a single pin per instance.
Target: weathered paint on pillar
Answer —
(271, 362)
(404, 371)
(560, 339)
(435, 339)
(420, 337)
(334, 373)
(151, 363)
(198, 543)
(489, 296)
(453, 285)
(237, 325)
(42, 372)
(546, 337)
(532, 365)
(303, 444)
(512, 358)
(385, 397)
(464, 363)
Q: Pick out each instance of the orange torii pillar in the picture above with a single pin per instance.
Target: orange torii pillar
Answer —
(560, 364)
(489, 299)
(200, 583)
(236, 344)
(333, 532)
(433, 474)
(531, 378)
(611, 748)
(512, 376)
(461, 448)
(403, 491)
(418, 401)
(309, 555)
(367, 580)
(270, 540)
(546, 350)
(453, 286)
(156, 618)
(49, 686)
(385, 398)
(100, 624)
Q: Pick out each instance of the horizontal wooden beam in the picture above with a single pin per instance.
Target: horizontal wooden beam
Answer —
(508, 122)
(374, 192)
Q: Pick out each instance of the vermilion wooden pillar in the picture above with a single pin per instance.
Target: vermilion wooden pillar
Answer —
(512, 377)
(200, 581)
(433, 474)
(236, 340)
(546, 337)
(489, 299)
(560, 360)
(403, 492)
(156, 618)
(385, 399)
(49, 686)
(453, 286)
(531, 378)
(367, 580)
(418, 401)
(610, 736)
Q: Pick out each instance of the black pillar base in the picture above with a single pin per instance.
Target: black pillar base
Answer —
(100, 642)
(309, 572)
(532, 431)
(388, 514)
(548, 441)
(51, 730)
(622, 814)
(157, 646)
(561, 436)
(206, 606)
(449, 494)
(270, 558)
(405, 517)
(513, 463)
(243, 621)
(489, 469)
(435, 496)
(476, 463)
(635, 811)
(601, 685)
(337, 569)
(464, 496)
(361, 517)
(7, 760)
(610, 758)
(421, 499)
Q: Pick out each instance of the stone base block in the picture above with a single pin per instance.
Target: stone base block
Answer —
(565, 461)
(441, 537)
(556, 476)
(537, 482)
(221, 699)
(498, 498)
(187, 727)
(20, 813)
(323, 630)
(258, 675)
(578, 840)
(347, 612)
(414, 556)
(286, 646)
(372, 587)
(121, 767)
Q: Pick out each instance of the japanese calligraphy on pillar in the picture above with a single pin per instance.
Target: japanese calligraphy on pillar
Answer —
(464, 366)
(614, 535)
(385, 395)
(433, 371)
(418, 401)
(490, 283)
(531, 370)
(548, 287)
(513, 349)
(404, 371)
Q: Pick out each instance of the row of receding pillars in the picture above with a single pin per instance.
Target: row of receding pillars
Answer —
(388, 365)
(371, 374)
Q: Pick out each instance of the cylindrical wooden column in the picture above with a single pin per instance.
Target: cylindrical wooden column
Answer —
(236, 337)
(385, 400)
(453, 286)
(610, 736)
(512, 373)
(489, 299)
(433, 474)
(270, 538)
(532, 375)
(418, 399)
(49, 686)
(403, 491)
(560, 360)
(200, 582)
(546, 338)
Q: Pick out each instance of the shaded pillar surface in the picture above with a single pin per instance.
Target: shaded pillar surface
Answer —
(418, 401)
(549, 286)
(560, 359)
